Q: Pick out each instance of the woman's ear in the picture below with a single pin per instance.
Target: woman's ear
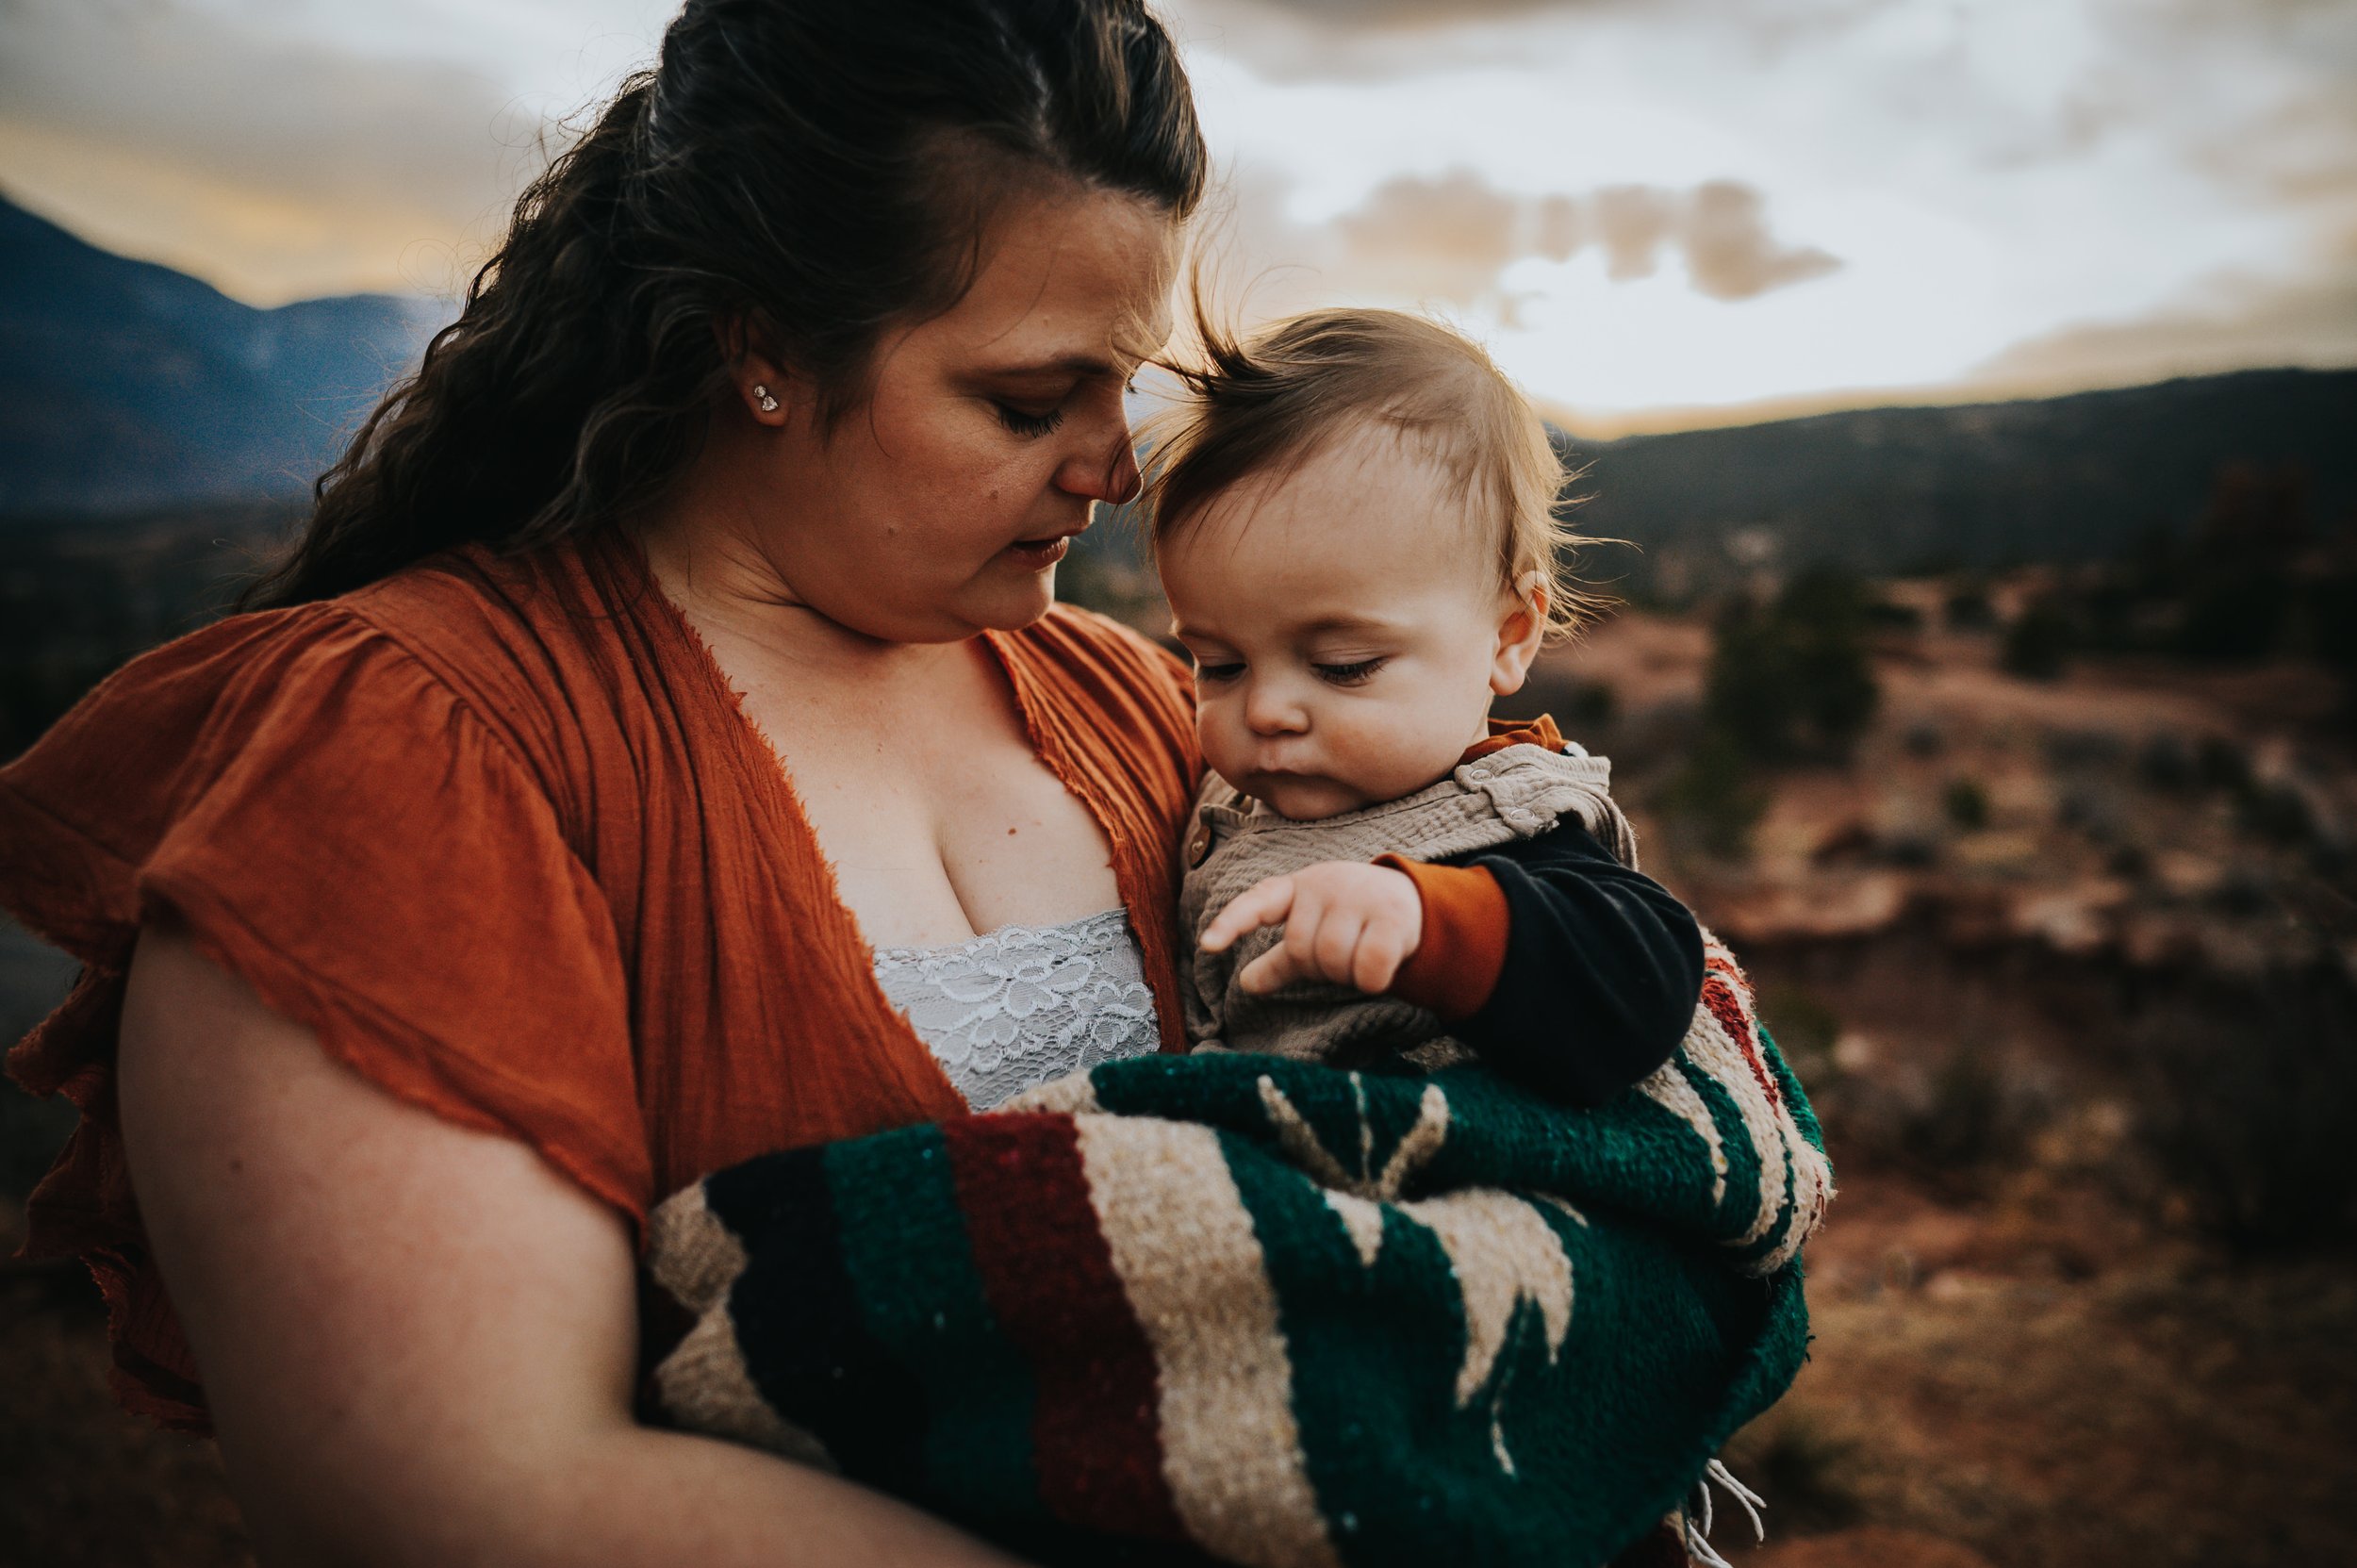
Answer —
(1521, 634)
(761, 386)
(764, 389)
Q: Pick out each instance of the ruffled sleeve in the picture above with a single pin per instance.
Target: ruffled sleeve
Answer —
(334, 824)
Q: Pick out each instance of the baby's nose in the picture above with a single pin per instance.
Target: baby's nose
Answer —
(1272, 710)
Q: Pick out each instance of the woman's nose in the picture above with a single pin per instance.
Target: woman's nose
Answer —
(1110, 477)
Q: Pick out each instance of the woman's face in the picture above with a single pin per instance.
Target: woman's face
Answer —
(941, 505)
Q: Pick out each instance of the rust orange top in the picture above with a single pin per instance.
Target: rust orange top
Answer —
(496, 831)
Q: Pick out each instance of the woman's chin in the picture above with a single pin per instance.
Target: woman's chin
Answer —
(1009, 600)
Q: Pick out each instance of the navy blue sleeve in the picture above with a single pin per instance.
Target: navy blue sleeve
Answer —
(1603, 969)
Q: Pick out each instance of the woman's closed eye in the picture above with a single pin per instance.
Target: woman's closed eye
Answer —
(1025, 422)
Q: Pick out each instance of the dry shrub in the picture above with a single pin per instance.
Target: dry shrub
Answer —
(2247, 1099)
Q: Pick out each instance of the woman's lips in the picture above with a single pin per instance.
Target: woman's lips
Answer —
(1045, 550)
(1041, 553)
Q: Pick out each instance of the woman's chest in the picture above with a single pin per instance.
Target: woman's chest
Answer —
(753, 853)
(760, 887)
(942, 829)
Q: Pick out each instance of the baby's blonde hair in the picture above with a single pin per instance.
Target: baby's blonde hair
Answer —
(1274, 399)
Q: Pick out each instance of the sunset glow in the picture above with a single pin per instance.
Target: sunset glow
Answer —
(1655, 214)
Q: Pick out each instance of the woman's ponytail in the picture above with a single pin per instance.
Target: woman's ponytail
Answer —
(482, 442)
(790, 170)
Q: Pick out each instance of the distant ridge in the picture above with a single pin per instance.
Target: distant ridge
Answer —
(125, 385)
(1882, 490)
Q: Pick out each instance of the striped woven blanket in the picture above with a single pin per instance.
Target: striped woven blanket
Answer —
(1269, 1311)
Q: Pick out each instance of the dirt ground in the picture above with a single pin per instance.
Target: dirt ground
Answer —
(1987, 1378)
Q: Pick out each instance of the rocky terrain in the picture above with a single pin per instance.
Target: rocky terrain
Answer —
(2067, 966)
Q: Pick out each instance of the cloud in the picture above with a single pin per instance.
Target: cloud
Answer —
(1377, 39)
(1362, 13)
(2231, 325)
(1632, 221)
(1360, 39)
(1450, 237)
(1728, 249)
(1445, 238)
(275, 168)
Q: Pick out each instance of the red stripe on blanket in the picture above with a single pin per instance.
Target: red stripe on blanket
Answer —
(1719, 997)
(1049, 1277)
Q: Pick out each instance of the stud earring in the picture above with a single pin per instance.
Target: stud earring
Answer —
(764, 398)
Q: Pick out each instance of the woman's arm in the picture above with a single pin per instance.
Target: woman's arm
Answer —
(419, 1341)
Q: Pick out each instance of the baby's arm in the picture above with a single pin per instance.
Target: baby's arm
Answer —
(1550, 959)
(1555, 963)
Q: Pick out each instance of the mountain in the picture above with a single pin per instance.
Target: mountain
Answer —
(1889, 489)
(126, 385)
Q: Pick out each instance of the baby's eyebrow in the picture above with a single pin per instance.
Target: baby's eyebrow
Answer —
(1347, 622)
(1344, 621)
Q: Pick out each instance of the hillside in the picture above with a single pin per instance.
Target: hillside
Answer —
(1882, 491)
(125, 384)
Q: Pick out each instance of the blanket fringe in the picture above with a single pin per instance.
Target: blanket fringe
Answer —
(1697, 1545)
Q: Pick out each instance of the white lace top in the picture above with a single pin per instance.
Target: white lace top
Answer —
(1010, 1009)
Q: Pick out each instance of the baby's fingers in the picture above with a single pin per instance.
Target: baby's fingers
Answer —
(1264, 904)
(1377, 962)
(1336, 941)
(1270, 972)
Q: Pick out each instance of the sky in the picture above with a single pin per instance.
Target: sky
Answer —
(1656, 213)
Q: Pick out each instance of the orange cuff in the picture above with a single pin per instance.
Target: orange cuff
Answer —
(1456, 962)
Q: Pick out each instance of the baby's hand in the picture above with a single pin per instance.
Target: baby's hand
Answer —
(1345, 922)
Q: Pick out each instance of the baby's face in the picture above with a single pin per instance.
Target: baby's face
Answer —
(1347, 627)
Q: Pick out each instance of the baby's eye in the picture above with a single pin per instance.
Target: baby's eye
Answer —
(1347, 675)
(1022, 421)
(1216, 672)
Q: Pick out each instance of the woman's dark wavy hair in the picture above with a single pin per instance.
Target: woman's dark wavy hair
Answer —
(798, 175)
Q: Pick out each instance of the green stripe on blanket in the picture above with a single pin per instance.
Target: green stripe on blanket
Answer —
(1269, 1310)
(925, 1302)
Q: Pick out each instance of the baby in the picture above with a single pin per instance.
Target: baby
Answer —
(1353, 514)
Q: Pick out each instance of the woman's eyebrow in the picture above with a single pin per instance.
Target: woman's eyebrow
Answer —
(1070, 365)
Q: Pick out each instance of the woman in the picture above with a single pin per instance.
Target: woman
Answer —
(455, 909)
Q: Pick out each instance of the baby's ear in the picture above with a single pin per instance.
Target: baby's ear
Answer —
(1521, 631)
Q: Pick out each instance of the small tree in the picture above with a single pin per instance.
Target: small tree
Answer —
(1966, 804)
(1792, 679)
(2039, 643)
(1718, 793)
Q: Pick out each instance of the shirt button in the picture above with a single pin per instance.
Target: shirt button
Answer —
(1477, 772)
(1198, 844)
